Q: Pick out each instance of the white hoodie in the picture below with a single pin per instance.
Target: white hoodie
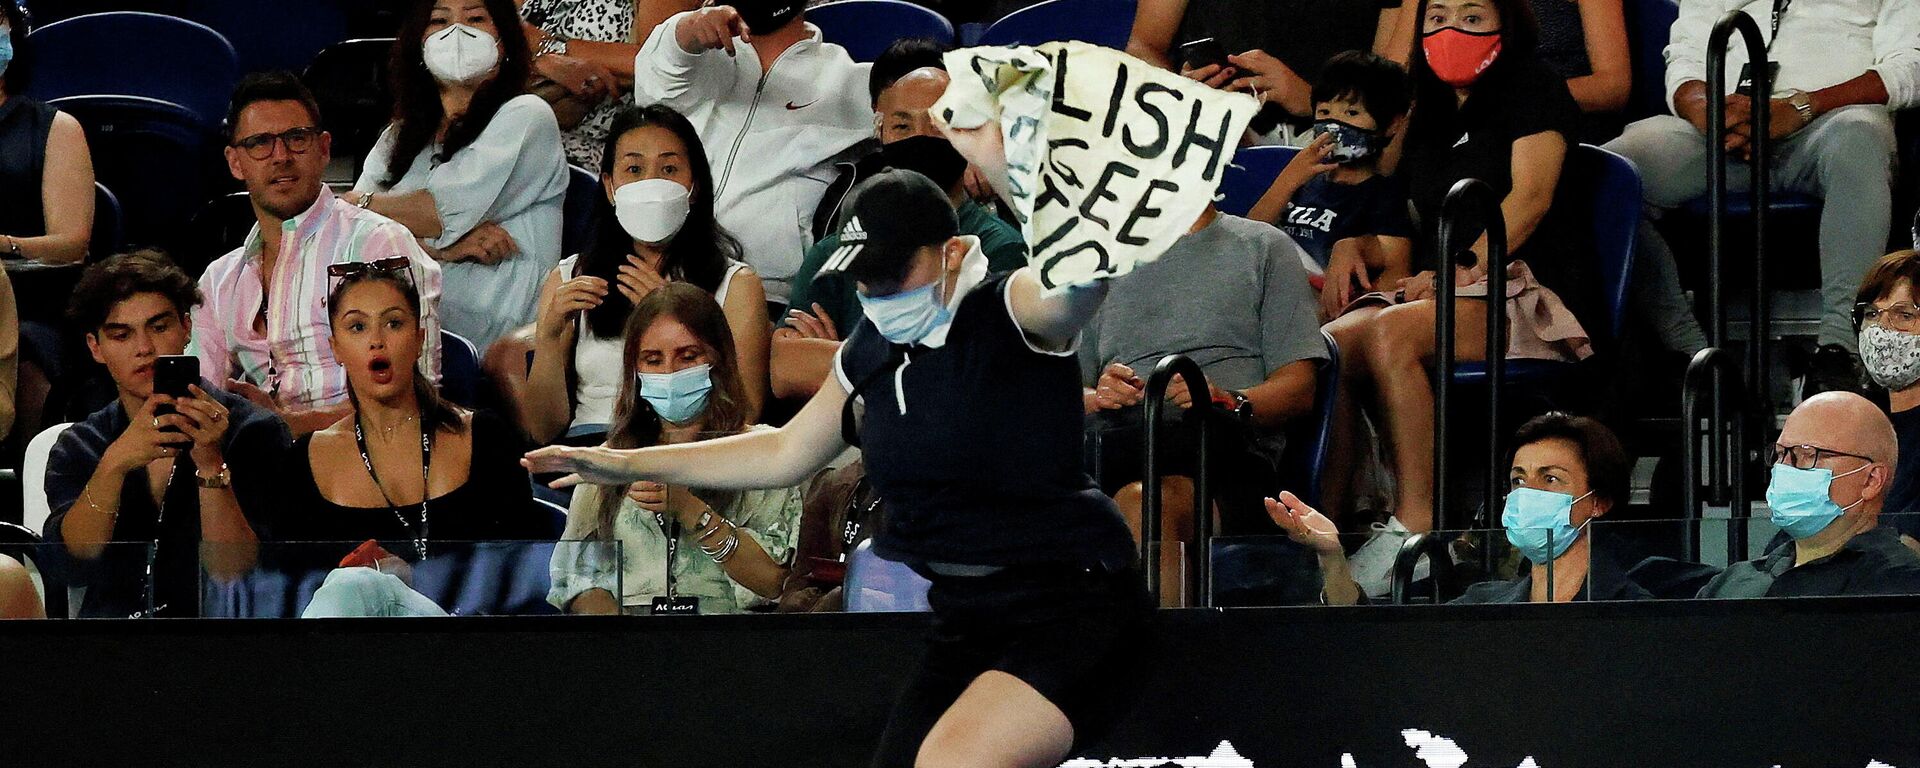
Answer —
(772, 140)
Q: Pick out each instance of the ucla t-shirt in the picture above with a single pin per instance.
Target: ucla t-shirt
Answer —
(1324, 212)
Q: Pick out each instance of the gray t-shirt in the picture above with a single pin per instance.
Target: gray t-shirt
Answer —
(1234, 297)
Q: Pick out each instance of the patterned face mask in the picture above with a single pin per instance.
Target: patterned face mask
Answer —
(1892, 358)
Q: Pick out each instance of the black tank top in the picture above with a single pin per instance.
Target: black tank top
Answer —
(975, 446)
(24, 125)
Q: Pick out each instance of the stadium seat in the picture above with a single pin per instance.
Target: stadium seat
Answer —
(876, 584)
(220, 226)
(156, 156)
(866, 27)
(108, 227)
(1250, 175)
(1308, 438)
(460, 374)
(298, 29)
(583, 198)
(1649, 27)
(33, 479)
(557, 511)
(349, 81)
(1101, 22)
(134, 53)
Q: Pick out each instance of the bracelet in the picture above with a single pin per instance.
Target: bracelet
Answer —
(365, 200)
(716, 529)
(726, 550)
(732, 533)
(13, 247)
(88, 498)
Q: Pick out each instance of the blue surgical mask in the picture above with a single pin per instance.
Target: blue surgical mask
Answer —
(6, 49)
(1540, 523)
(678, 397)
(1802, 499)
(908, 316)
(1350, 144)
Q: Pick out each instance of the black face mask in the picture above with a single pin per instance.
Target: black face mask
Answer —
(764, 16)
(931, 156)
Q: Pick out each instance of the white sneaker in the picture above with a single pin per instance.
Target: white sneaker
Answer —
(1372, 563)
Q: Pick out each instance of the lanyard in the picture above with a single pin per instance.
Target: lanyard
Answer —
(1779, 9)
(426, 470)
(153, 550)
(670, 526)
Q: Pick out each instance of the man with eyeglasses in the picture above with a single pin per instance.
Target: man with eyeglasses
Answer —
(263, 330)
(1831, 467)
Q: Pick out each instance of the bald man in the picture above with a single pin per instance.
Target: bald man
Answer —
(1833, 462)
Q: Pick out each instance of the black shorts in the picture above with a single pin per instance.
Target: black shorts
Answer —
(1077, 636)
(1243, 463)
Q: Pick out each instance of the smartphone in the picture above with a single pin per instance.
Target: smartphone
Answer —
(1201, 52)
(172, 374)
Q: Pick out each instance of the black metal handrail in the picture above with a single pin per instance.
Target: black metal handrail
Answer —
(1714, 367)
(1467, 192)
(1440, 565)
(1156, 396)
(1759, 94)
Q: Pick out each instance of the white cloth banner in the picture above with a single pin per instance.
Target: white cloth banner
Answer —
(1108, 159)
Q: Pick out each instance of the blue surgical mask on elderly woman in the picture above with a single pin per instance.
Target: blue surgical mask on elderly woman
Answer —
(1540, 523)
(1802, 499)
(678, 397)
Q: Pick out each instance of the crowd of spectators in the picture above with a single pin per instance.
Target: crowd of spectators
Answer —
(705, 303)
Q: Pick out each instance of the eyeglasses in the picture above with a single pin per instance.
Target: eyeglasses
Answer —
(260, 145)
(353, 270)
(1807, 456)
(1902, 316)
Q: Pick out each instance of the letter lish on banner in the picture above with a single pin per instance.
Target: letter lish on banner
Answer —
(1108, 160)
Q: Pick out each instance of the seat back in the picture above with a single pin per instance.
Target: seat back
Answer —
(220, 225)
(300, 28)
(1608, 196)
(137, 54)
(460, 373)
(33, 478)
(349, 82)
(866, 27)
(876, 584)
(1649, 28)
(1307, 439)
(156, 156)
(1101, 22)
(583, 193)
(555, 511)
(109, 229)
(1250, 175)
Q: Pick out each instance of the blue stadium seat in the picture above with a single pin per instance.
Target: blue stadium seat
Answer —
(1101, 22)
(555, 510)
(1251, 173)
(583, 198)
(1308, 439)
(349, 81)
(876, 584)
(1605, 191)
(460, 374)
(866, 27)
(299, 29)
(137, 54)
(155, 155)
(108, 227)
(1649, 27)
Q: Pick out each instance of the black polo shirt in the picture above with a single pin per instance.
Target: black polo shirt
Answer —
(975, 444)
(1871, 563)
(1448, 141)
(1606, 580)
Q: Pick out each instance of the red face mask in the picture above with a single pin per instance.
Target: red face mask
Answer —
(1457, 56)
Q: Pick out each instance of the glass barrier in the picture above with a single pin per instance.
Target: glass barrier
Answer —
(1717, 557)
(1353, 568)
(343, 579)
(116, 580)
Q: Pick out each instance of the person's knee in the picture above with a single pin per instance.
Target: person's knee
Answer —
(1393, 341)
(1657, 143)
(1854, 146)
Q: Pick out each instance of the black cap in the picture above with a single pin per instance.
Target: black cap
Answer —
(891, 216)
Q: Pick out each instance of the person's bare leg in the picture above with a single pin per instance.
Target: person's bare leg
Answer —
(1176, 526)
(1400, 344)
(999, 722)
(18, 599)
(1349, 331)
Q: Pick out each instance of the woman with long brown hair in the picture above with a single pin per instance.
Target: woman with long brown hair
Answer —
(721, 551)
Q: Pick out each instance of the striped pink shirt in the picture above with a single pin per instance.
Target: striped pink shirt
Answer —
(294, 360)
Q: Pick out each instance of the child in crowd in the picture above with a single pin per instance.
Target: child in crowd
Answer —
(1348, 217)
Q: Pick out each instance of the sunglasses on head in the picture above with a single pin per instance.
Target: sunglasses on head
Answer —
(349, 270)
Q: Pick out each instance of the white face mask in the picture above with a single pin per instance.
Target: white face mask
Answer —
(1892, 358)
(460, 54)
(652, 210)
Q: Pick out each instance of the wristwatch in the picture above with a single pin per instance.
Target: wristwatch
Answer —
(1803, 103)
(220, 479)
(553, 45)
(1242, 405)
